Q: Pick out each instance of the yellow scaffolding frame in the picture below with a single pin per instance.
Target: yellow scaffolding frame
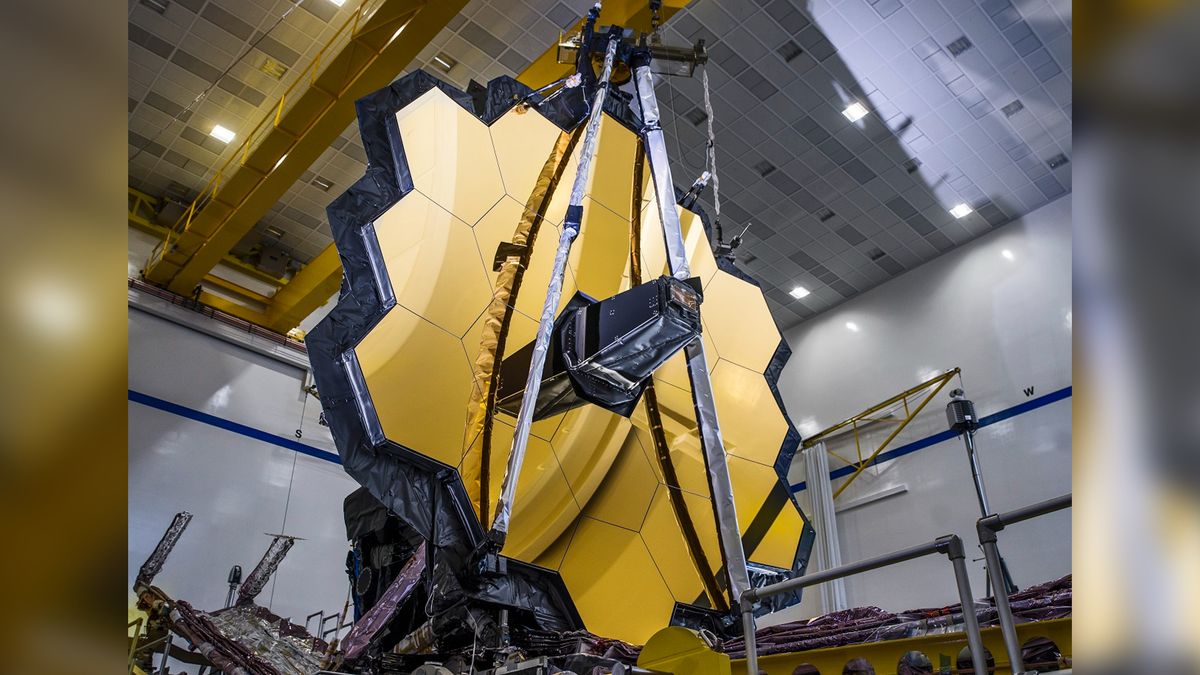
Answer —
(867, 417)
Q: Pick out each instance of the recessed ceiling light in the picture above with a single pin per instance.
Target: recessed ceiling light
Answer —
(855, 111)
(279, 162)
(1057, 161)
(274, 68)
(961, 210)
(798, 292)
(222, 134)
(959, 46)
(789, 51)
(159, 6)
(1008, 255)
(323, 183)
(764, 168)
(274, 232)
(339, 3)
(696, 116)
(853, 327)
(445, 63)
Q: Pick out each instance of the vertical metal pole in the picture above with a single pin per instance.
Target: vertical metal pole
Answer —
(970, 621)
(748, 636)
(537, 362)
(1008, 628)
(702, 396)
(162, 664)
(977, 476)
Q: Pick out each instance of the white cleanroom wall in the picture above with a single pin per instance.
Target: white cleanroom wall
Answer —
(999, 307)
(203, 414)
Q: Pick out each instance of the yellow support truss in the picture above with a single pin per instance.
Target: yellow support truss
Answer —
(919, 396)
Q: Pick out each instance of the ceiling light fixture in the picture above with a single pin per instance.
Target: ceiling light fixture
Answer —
(798, 292)
(445, 63)
(855, 111)
(222, 134)
(159, 6)
(273, 68)
(339, 3)
(853, 327)
(961, 210)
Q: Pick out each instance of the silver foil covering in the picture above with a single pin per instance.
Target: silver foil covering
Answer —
(265, 636)
(154, 563)
(533, 384)
(377, 617)
(257, 581)
(706, 411)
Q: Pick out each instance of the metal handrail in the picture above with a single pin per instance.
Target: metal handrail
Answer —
(987, 528)
(950, 545)
(136, 625)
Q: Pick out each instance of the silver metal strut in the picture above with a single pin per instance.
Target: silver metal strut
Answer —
(537, 362)
(702, 393)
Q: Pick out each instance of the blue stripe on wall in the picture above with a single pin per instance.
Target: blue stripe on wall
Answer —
(229, 425)
(311, 451)
(1007, 413)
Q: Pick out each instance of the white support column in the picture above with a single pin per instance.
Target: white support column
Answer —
(828, 546)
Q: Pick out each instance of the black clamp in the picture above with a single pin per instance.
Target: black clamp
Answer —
(506, 250)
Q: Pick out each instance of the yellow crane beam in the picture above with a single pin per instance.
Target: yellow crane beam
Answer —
(381, 37)
(228, 209)
(141, 209)
(293, 307)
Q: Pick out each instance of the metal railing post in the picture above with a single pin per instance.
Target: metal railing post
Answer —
(954, 551)
(987, 528)
(950, 545)
(748, 629)
(991, 554)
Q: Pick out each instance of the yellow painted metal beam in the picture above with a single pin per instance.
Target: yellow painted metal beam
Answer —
(141, 209)
(236, 288)
(313, 285)
(857, 423)
(308, 290)
(629, 13)
(291, 308)
(380, 39)
(864, 463)
(883, 405)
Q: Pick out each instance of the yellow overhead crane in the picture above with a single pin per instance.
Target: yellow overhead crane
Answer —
(380, 38)
(367, 51)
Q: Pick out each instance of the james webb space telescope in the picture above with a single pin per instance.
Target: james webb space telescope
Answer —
(525, 366)
(530, 352)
